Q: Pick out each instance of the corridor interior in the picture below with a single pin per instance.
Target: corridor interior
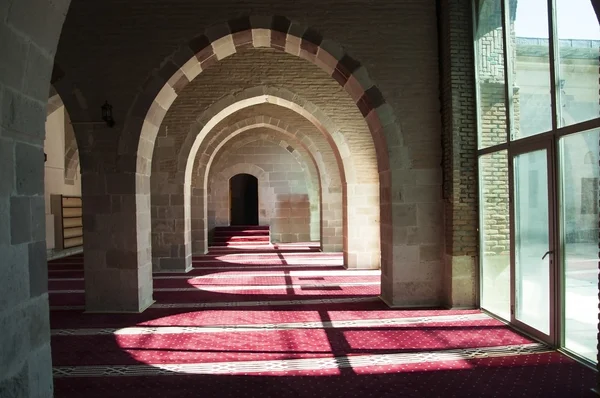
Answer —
(256, 319)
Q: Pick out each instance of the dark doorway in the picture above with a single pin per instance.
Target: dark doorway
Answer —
(243, 200)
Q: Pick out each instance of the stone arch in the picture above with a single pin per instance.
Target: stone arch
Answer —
(197, 228)
(340, 226)
(263, 95)
(329, 177)
(71, 161)
(332, 185)
(331, 194)
(54, 102)
(302, 157)
(222, 40)
(166, 203)
(276, 125)
(71, 152)
(71, 164)
(218, 42)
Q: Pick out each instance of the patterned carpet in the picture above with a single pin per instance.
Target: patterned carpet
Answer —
(289, 323)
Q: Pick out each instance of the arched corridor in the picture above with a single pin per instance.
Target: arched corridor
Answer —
(424, 211)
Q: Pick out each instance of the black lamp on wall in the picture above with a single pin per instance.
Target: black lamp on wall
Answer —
(107, 117)
(107, 114)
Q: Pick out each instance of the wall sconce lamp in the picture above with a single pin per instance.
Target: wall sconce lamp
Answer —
(107, 114)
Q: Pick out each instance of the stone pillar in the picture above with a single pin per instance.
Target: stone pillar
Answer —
(332, 235)
(199, 219)
(171, 233)
(171, 226)
(28, 43)
(116, 222)
(25, 364)
(363, 245)
(461, 276)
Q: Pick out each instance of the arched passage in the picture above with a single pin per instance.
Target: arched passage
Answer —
(361, 233)
(61, 178)
(243, 200)
(191, 67)
(326, 178)
(289, 200)
(70, 163)
(162, 189)
(362, 230)
(365, 214)
(304, 159)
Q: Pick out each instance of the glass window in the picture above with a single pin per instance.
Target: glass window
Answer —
(489, 55)
(532, 240)
(531, 103)
(495, 233)
(578, 47)
(579, 230)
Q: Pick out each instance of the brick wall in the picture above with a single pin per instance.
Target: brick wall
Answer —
(489, 50)
(460, 161)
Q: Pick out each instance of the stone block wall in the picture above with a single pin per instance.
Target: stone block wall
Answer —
(28, 41)
(282, 190)
(116, 227)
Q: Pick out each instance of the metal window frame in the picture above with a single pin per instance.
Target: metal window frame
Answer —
(548, 139)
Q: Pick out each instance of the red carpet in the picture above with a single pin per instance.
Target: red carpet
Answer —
(290, 324)
(250, 237)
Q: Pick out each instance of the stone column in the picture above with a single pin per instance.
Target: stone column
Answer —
(332, 219)
(362, 235)
(199, 220)
(28, 52)
(116, 222)
(171, 226)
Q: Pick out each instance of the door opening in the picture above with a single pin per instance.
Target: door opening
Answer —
(243, 202)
